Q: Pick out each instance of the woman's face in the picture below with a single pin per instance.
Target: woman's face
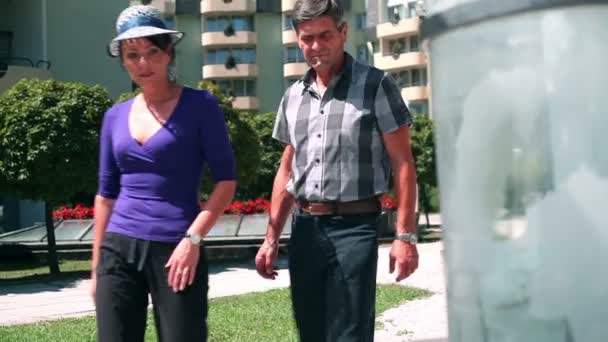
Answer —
(145, 62)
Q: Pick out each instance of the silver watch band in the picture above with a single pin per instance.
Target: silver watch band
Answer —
(407, 237)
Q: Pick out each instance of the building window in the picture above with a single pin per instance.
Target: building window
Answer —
(395, 12)
(414, 46)
(397, 46)
(411, 9)
(416, 79)
(239, 23)
(362, 54)
(418, 107)
(241, 55)
(294, 55)
(410, 78)
(6, 39)
(402, 78)
(361, 20)
(239, 87)
(287, 22)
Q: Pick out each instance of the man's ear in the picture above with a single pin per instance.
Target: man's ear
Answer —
(343, 29)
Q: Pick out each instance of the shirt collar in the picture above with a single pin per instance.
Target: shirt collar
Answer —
(345, 73)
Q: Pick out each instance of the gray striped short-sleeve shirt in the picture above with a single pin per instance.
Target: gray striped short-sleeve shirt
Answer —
(337, 137)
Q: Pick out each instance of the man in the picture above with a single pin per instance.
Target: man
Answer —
(344, 125)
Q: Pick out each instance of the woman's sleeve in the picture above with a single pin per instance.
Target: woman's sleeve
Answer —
(109, 174)
(216, 142)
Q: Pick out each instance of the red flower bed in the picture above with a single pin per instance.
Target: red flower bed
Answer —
(79, 212)
(257, 206)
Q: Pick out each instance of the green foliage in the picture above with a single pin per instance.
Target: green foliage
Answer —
(49, 138)
(244, 140)
(271, 151)
(423, 149)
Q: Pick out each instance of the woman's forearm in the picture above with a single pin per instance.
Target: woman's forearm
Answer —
(103, 210)
(222, 195)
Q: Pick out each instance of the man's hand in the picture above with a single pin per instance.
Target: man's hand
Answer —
(264, 260)
(93, 285)
(405, 256)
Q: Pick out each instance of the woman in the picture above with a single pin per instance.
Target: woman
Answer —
(148, 225)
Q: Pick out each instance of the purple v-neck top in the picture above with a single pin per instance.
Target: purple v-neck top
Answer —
(156, 184)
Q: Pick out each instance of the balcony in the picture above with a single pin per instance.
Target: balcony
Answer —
(166, 7)
(210, 39)
(404, 60)
(215, 71)
(246, 102)
(415, 93)
(287, 5)
(234, 6)
(290, 37)
(401, 28)
(14, 73)
(294, 69)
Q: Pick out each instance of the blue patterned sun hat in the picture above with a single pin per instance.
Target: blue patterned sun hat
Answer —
(140, 21)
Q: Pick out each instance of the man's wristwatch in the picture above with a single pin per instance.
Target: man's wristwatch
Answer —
(407, 237)
(194, 238)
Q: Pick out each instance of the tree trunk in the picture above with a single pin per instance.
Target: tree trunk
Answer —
(50, 238)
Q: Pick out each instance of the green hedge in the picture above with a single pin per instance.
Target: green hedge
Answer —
(49, 134)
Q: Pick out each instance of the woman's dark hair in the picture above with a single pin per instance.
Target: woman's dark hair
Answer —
(161, 41)
(304, 10)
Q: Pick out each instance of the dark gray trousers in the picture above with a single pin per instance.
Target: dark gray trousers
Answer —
(332, 266)
(130, 269)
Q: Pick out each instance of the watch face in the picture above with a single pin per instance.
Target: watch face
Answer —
(195, 238)
(413, 238)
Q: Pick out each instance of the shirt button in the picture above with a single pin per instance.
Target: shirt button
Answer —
(316, 186)
(322, 111)
(318, 135)
(318, 160)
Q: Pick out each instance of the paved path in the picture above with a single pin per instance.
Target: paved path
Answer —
(420, 320)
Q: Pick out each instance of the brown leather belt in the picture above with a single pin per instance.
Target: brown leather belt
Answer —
(365, 206)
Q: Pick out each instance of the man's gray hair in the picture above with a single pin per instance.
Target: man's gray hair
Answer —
(304, 10)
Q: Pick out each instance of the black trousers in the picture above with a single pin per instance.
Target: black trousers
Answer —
(332, 266)
(130, 269)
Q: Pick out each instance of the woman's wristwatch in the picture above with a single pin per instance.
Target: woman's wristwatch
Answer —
(194, 238)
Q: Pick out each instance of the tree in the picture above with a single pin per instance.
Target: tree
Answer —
(270, 157)
(244, 140)
(49, 143)
(423, 149)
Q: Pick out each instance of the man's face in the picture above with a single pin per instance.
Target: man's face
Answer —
(322, 43)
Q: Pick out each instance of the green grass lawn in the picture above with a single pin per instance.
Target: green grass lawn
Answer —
(254, 317)
(31, 270)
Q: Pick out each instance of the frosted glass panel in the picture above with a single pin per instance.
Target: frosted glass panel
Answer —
(522, 135)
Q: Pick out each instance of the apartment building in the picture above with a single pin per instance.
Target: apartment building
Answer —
(64, 40)
(393, 29)
(248, 47)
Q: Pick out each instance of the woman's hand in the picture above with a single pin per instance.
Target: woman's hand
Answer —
(182, 265)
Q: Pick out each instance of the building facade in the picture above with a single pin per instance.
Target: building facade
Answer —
(393, 28)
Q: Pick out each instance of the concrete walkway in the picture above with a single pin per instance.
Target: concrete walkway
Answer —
(420, 320)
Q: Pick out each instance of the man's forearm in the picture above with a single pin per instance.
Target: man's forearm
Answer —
(281, 201)
(405, 184)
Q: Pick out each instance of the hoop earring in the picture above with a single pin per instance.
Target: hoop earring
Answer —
(171, 73)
